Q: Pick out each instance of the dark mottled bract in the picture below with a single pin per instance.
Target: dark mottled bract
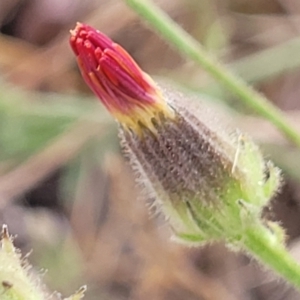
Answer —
(182, 157)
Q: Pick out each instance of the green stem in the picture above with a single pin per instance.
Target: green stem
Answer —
(263, 245)
(194, 50)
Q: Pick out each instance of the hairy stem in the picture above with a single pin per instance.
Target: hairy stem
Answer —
(263, 245)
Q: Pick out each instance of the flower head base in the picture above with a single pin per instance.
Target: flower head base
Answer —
(128, 93)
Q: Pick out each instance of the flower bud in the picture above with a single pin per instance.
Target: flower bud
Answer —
(16, 280)
(210, 185)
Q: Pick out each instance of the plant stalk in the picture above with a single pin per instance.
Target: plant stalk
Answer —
(195, 51)
(266, 248)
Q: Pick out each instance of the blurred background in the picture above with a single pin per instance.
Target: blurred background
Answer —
(65, 190)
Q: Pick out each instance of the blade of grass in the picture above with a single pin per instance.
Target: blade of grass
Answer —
(195, 51)
(270, 62)
(261, 66)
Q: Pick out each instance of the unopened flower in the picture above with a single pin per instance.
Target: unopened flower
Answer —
(210, 185)
(128, 93)
(16, 279)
